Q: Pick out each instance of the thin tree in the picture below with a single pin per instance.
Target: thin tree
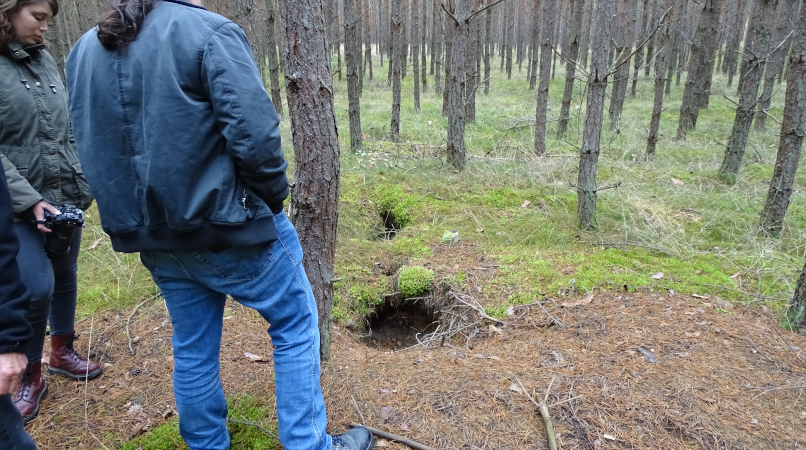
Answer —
(535, 44)
(548, 12)
(753, 69)
(623, 39)
(274, 63)
(368, 41)
(780, 40)
(573, 38)
(415, 50)
(351, 51)
(790, 141)
(423, 39)
(315, 197)
(395, 59)
(488, 42)
(796, 311)
(597, 85)
(639, 54)
(661, 63)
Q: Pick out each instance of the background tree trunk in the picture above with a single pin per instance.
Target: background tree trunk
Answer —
(643, 19)
(415, 50)
(661, 62)
(783, 27)
(396, 59)
(488, 42)
(315, 197)
(796, 312)
(535, 44)
(273, 60)
(623, 38)
(790, 142)
(455, 83)
(753, 68)
(351, 51)
(368, 38)
(573, 37)
(548, 13)
(589, 154)
(737, 35)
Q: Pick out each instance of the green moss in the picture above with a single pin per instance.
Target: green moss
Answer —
(367, 294)
(414, 281)
(396, 207)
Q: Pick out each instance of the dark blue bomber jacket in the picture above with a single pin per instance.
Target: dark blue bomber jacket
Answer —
(14, 300)
(176, 134)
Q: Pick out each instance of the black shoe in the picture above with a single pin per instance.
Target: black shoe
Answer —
(358, 438)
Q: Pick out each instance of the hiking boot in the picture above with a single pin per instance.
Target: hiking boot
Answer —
(64, 360)
(30, 392)
(358, 438)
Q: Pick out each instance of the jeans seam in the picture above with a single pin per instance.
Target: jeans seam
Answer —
(181, 265)
(218, 272)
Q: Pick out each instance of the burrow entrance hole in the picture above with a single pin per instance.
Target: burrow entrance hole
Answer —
(391, 226)
(396, 323)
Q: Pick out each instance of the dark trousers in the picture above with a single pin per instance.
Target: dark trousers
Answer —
(12, 433)
(52, 285)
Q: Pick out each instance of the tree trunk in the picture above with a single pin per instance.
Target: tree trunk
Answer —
(777, 59)
(359, 44)
(661, 62)
(675, 53)
(438, 53)
(735, 41)
(368, 39)
(395, 59)
(639, 54)
(796, 311)
(488, 20)
(652, 24)
(533, 63)
(548, 13)
(698, 68)
(573, 37)
(351, 61)
(315, 197)
(790, 141)
(711, 48)
(455, 83)
(753, 68)
(449, 30)
(470, 69)
(510, 35)
(621, 79)
(274, 63)
(436, 31)
(589, 154)
(415, 51)
(423, 38)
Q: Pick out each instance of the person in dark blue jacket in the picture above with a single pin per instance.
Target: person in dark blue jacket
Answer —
(15, 331)
(181, 146)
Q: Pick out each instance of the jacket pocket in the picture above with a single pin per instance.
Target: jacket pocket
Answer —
(84, 196)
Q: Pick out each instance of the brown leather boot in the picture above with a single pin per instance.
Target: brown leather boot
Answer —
(64, 360)
(30, 392)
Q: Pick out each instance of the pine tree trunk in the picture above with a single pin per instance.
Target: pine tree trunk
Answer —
(622, 76)
(535, 45)
(639, 54)
(351, 51)
(654, 13)
(548, 12)
(698, 67)
(274, 64)
(777, 59)
(589, 154)
(455, 83)
(586, 30)
(368, 39)
(753, 68)
(435, 32)
(423, 39)
(415, 51)
(738, 32)
(573, 37)
(510, 36)
(396, 59)
(438, 52)
(315, 197)
(796, 311)
(790, 141)
(661, 62)
(449, 30)
(487, 48)
(675, 53)
(359, 44)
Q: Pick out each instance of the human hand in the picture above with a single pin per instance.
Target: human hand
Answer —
(12, 366)
(39, 212)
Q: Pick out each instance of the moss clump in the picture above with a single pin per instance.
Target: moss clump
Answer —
(396, 208)
(414, 281)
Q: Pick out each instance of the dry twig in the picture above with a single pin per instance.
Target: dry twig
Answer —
(544, 413)
(357, 409)
(393, 437)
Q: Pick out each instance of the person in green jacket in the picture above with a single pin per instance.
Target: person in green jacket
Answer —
(41, 166)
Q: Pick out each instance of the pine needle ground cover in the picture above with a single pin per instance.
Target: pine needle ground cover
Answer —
(500, 237)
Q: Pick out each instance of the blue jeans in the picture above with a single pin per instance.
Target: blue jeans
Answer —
(52, 285)
(270, 279)
(12, 433)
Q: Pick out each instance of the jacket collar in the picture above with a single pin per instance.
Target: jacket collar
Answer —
(184, 3)
(18, 51)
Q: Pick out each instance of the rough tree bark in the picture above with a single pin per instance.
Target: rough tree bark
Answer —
(511, 20)
(781, 36)
(589, 153)
(661, 63)
(415, 50)
(274, 63)
(351, 51)
(535, 44)
(549, 8)
(623, 38)
(455, 83)
(698, 67)
(314, 199)
(488, 20)
(796, 312)
(735, 41)
(423, 38)
(790, 142)
(573, 37)
(395, 61)
(675, 52)
(639, 54)
(753, 68)
(711, 49)
(368, 40)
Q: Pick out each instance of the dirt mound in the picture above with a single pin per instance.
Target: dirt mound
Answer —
(723, 379)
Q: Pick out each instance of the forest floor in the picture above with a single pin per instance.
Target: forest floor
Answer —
(675, 269)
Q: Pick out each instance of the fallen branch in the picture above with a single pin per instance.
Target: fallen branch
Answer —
(785, 342)
(479, 310)
(544, 413)
(758, 350)
(394, 437)
(357, 409)
(556, 321)
(253, 424)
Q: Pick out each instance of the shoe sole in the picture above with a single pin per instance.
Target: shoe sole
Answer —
(32, 416)
(82, 377)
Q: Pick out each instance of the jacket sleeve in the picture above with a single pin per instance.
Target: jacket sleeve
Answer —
(245, 114)
(14, 301)
(23, 195)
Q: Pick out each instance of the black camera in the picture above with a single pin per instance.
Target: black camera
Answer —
(63, 228)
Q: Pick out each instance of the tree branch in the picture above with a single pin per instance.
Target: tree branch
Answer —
(482, 9)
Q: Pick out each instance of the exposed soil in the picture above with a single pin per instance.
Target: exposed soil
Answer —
(724, 378)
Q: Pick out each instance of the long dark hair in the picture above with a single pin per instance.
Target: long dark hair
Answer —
(9, 9)
(121, 21)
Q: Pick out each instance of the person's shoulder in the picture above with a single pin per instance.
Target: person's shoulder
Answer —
(195, 14)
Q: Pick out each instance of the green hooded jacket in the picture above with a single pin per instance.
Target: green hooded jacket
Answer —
(36, 141)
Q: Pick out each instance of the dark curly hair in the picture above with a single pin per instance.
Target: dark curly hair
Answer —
(121, 22)
(9, 9)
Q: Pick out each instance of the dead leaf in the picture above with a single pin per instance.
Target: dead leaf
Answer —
(657, 276)
(253, 357)
(678, 182)
(525, 203)
(704, 297)
(95, 243)
(404, 426)
(386, 411)
(584, 301)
